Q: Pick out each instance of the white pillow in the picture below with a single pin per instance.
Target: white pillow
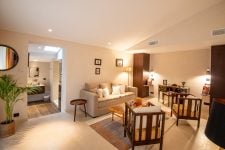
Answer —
(100, 93)
(115, 90)
(122, 89)
(105, 92)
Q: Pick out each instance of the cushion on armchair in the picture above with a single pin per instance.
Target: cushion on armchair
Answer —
(150, 109)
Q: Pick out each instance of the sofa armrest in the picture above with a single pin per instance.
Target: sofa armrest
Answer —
(92, 101)
(132, 89)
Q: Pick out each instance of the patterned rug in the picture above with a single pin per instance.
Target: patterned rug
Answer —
(113, 131)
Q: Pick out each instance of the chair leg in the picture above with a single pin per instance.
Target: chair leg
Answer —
(75, 109)
(161, 145)
(85, 110)
(132, 146)
(177, 121)
(168, 101)
(198, 123)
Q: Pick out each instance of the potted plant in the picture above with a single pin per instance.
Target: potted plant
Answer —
(9, 92)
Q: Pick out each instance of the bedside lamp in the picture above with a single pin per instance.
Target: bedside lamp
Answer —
(215, 128)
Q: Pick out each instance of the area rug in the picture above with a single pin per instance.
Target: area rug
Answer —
(113, 131)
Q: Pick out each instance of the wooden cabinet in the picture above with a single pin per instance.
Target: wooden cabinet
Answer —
(217, 72)
(141, 73)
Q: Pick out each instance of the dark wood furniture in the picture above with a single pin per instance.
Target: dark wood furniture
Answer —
(185, 106)
(76, 102)
(169, 91)
(217, 72)
(141, 73)
(178, 89)
(144, 127)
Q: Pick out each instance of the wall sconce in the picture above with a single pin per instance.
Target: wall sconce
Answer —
(151, 76)
(208, 76)
(128, 70)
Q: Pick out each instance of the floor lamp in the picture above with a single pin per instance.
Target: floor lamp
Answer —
(128, 70)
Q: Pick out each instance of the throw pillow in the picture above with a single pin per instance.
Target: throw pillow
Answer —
(116, 90)
(100, 93)
(106, 85)
(122, 89)
(105, 92)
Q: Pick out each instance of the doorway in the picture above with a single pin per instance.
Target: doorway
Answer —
(45, 71)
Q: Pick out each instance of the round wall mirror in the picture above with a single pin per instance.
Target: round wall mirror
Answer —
(8, 57)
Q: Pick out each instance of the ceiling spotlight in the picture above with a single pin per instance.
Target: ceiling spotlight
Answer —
(39, 47)
(109, 43)
(49, 30)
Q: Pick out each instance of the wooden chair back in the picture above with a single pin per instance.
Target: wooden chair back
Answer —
(187, 108)
(144, 128)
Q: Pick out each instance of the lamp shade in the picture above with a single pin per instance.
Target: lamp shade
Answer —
(215, 128)
(128, 69)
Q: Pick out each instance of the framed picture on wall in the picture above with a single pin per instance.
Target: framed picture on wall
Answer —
(98, 61)
(119, 62)
(97, 71)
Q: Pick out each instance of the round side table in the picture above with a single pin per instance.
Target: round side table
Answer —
(76, 102)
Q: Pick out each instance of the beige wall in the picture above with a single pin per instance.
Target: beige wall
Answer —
(188, 66)
(78, 65)
(54, 77)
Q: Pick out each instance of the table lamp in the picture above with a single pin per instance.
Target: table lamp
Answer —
(215, 128)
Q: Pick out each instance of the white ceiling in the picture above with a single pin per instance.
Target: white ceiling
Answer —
(123, 23)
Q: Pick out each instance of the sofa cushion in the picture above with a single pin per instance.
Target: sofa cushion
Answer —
(100, 92)
(105, 92)
(91, 87)
(115, 99)
(116, 89)
(122, 87)
(106, 85)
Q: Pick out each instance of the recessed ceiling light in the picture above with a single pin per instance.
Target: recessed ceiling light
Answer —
(49, 30)
(39, 47)
(51, 48)
(109, 43)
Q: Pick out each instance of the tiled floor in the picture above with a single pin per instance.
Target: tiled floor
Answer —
(59, 132)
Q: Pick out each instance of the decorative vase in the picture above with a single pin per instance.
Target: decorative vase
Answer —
(183, 83)
(7, 129)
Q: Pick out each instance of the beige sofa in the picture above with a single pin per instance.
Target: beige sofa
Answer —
(96, 105)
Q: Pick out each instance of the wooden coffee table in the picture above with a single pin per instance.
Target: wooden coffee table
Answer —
(117, 110)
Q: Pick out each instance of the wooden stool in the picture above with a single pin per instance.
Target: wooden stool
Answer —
(79, 102)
